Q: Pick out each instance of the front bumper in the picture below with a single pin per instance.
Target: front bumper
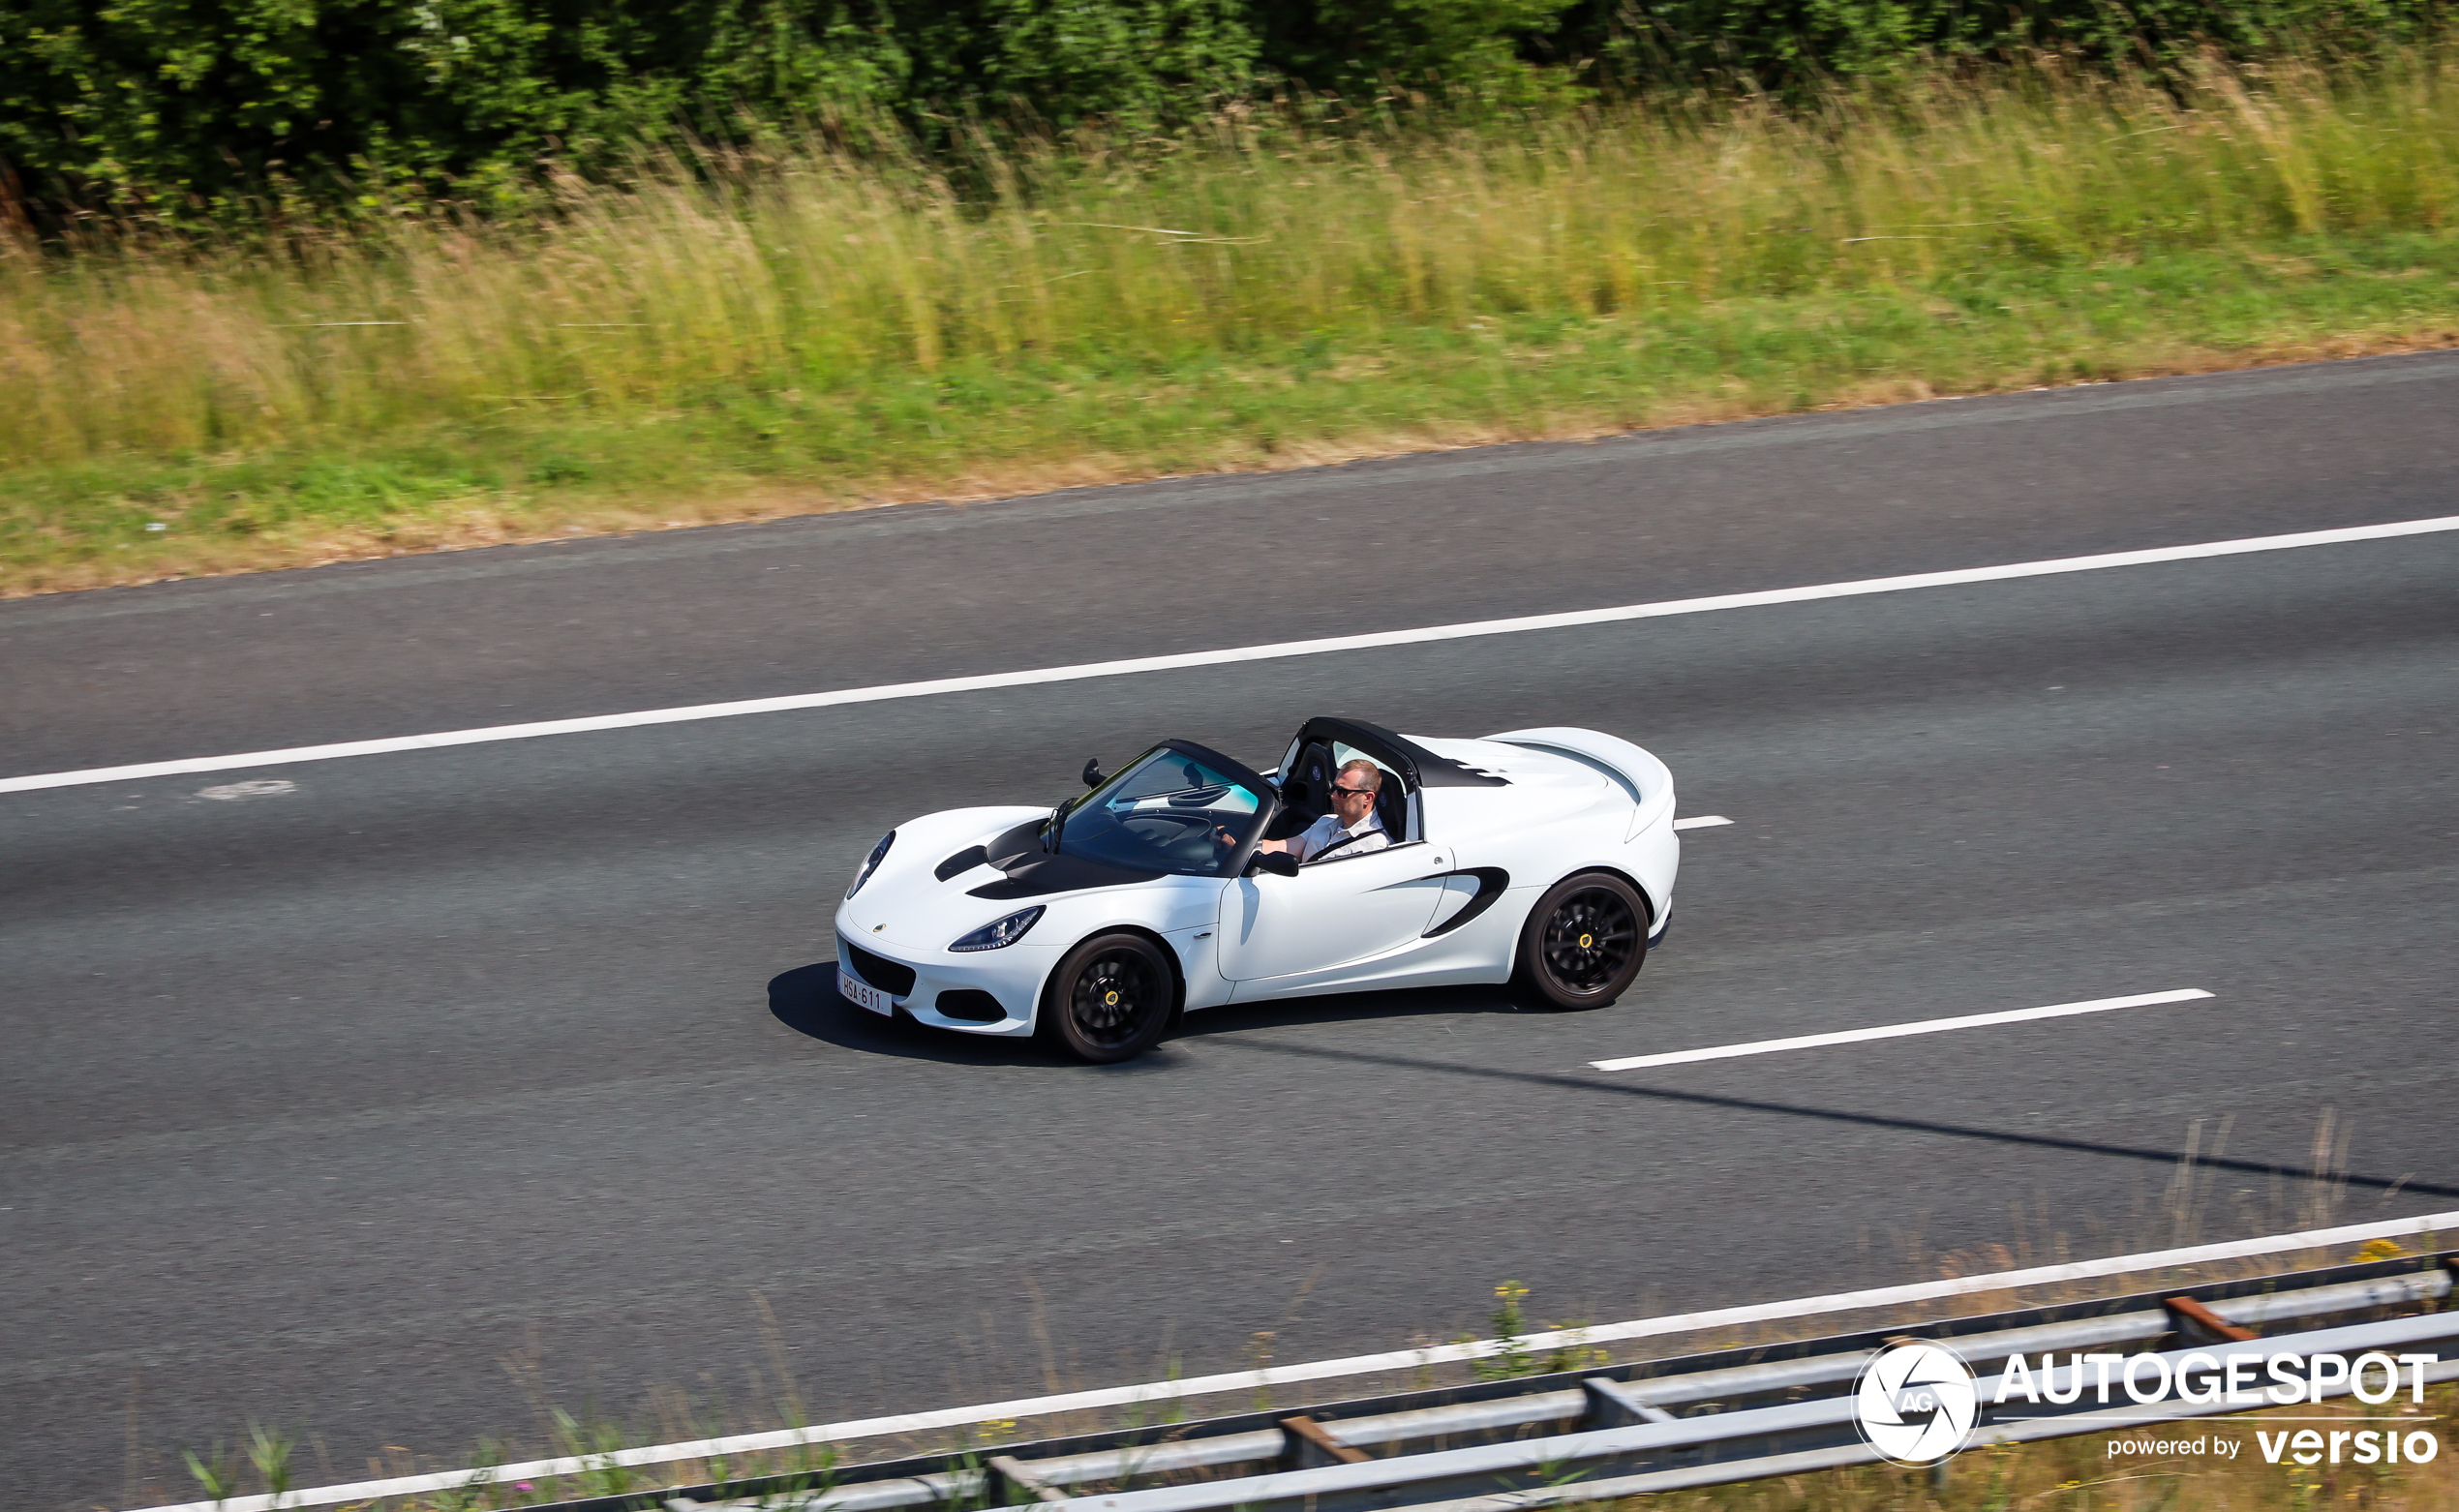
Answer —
(1012, 977)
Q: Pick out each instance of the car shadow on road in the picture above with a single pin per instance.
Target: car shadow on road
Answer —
(806, 1001)
(1342, 1008)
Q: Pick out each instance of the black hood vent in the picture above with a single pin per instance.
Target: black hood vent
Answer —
(1041, 874)
(962, 862)
(1022, 843)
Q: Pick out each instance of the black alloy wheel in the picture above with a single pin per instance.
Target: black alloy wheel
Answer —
(1584, 942)
(1110, 1000)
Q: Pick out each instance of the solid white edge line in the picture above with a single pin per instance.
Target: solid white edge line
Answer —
(1703, 822)
(144, 770)
(2012, 1016)
(1327, 1370)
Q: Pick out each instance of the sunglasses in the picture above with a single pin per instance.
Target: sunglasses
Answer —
(1337, 789)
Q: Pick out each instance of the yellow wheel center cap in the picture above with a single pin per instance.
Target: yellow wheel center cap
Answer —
(1587, 940)
(1110, 1000)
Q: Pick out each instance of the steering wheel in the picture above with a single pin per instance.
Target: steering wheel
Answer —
(1192, 825)
(1171, 816)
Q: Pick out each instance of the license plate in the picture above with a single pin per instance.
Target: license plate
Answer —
(861, 994)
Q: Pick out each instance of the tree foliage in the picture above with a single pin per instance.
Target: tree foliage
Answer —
(193, 107)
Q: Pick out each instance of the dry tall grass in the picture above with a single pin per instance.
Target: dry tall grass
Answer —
(812, 274)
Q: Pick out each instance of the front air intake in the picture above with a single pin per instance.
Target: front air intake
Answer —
(972, 1005)
(885, 974)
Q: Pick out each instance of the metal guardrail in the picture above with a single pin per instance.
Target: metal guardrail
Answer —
(466, 1486)
(1619, 1430)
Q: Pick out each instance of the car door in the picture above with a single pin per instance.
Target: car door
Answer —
(1298, 933)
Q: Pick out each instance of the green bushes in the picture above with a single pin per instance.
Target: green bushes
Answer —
(822, 274)
(821, 327)
(193, 107)
(196, 104)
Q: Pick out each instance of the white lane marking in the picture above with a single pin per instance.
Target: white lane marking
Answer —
(1703, 822)
(1333, 1370)
(2013, 1016)
(262, 787)
(1225, 658)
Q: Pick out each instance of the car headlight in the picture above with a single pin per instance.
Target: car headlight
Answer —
(879, 853)
(1006, 932)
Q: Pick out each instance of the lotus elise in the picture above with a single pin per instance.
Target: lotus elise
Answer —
(1541, 858)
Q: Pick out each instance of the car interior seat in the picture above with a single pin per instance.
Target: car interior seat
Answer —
(1309, 789)
(1391, 807)
(1305, 791)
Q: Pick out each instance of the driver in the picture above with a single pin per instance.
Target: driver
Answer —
(1351, 828)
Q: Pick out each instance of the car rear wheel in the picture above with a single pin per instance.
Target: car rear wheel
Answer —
(1584, 943)
(1110, 1000)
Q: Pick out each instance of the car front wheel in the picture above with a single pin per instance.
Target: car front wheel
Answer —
(1584, 943)
(1109, 999)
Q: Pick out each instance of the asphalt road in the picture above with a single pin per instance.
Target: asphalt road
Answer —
(455, 1083)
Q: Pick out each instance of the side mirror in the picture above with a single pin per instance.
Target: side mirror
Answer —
(1281, 863)
(1093, 778)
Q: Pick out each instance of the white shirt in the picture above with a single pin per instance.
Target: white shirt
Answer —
(1328, 829)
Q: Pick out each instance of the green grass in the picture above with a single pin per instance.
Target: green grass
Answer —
(808, 332)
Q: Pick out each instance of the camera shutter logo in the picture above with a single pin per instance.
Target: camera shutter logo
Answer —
(1916, 1403)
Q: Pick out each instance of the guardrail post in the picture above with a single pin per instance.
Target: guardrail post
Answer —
(2194, 1324)
(1307, 1446)
(1614, 1404)
(1019, 1481)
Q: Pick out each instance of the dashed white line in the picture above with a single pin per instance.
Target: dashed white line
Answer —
(1806, 1042)
(1227, 657)
(1703, 822)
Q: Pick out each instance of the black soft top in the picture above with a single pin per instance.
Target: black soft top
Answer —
(1418, 767)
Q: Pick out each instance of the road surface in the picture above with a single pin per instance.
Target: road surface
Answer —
(451, 1085)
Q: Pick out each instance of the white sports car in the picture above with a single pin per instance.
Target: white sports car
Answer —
(1541, 857)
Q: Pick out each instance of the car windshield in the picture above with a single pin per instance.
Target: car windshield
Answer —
(1168, 812)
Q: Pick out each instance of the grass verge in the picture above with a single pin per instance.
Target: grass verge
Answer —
(806, 332)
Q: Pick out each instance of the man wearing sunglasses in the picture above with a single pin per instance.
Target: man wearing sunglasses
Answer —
(1350, 829)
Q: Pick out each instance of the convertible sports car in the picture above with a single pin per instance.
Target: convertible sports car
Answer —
(1541, 858)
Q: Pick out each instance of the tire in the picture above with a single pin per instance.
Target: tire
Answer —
(1110, 999)
(1554, 970)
